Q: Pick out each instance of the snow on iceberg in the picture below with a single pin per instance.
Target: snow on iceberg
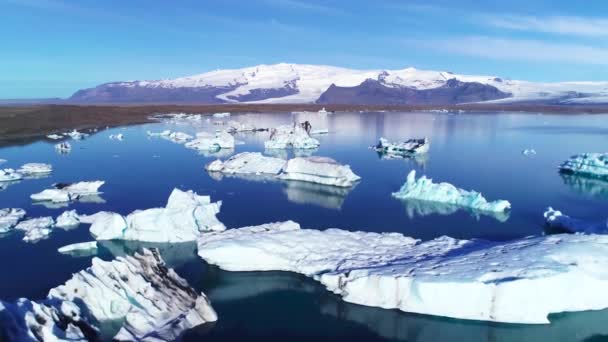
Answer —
(320, 170)
(66, 192)
(559, 222)
(212, 142)
(9, 175)
(33, 169)
(411, 146)
(290, 136)
(587, 164)
(9, 217)
(424, 189)
(36, 229)
(54, 136)
(183, 219)
(247, 163)
(521, 281)
(67, 220)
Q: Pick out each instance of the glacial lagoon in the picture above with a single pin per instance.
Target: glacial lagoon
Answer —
(480, 151)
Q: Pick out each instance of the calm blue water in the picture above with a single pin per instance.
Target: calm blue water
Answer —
(472, 151)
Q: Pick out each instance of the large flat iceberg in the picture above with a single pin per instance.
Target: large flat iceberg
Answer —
(36, 229)
(588, 164)
(248, 163)
(290, 136)
(320, 170)
(211, 141)
(408, 147)
(522, 281)
(10, 175)
(423, 189)
(183, 219)
(9, 217)
(66, 192)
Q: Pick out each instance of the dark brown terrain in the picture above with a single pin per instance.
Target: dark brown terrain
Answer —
(24, 124)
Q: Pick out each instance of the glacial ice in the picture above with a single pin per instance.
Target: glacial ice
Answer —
(424, 189)
(528, 152)
(76, 135)
(118, 137)
(564, 223)
(9, 217)
(79, 248)
(247, 163)
(63, 148)
(54, 136)
(221, 115)
(67, 220)
(236, 127)
(411, 146)
(9, 175)
(66, 192)
(588, 164)
(33, 169)
(212, 142)
(290, 136)
(423, 208)
(320, 170)
(183, 219)
(36, 229)
(520, 281)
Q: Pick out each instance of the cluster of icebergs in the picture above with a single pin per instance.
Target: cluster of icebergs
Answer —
(203, 141)
(35, 229)
(290, 136)
(74, 134)
(406, 148)
(29, 170)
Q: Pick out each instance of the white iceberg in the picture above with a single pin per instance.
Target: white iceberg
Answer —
(78, 249)
(9, 175)
(247, 163)
(212, 142)
(63, 148)
(118, 137)
(54, 136)
(529, 152)
(424, 189)
(67, 220)
(521, 281)
(9, 217)
(36, 229)
(236, 127)
(564, 223)
(178, 137)
(33, 169)
(184, 218)
(319, 131)
(66, 192)
(76, 135)
(221, 115)
(290, 136)
(587, 164)
(411, 146)
(320, 170)
(164, 133)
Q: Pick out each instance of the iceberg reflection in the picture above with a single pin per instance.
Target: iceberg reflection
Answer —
(595, 187)
(421, 208)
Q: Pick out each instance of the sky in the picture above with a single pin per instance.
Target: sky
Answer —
(51, 48)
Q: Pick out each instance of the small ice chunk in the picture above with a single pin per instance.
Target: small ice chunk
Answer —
(529, 152)
(67, 220)
(63, 148)
(118, 136)
(247, 163)
(587, 164)
(36, 229)
(66, 192)
(9, 217)
(564, 223)
(221, 115)
(76, 135)
(81, 248)
(9, 175)
(212, 142)
(290, 136)
(411, 146)
(54, 136)
(320, 170)
(520, 281)
(35, 169)
(424, 189)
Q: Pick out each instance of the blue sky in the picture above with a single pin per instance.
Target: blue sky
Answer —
(50, 48)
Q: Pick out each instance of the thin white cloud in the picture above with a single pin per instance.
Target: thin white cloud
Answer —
(516, 49)
(304, 6)
(565, 25)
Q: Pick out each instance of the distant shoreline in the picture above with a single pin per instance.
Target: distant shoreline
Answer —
(21, 124)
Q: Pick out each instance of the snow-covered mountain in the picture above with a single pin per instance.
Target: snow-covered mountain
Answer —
(302, 83)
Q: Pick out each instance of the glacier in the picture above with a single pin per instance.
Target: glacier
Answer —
(9, 217)
(290, 136)
(320, 170)
(151, 302)
(587, 164)
(184, 217)
(424, 189)
(520, 281)
(557, 221)
(66, 192)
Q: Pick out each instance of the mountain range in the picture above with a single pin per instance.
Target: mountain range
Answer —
(302, 83)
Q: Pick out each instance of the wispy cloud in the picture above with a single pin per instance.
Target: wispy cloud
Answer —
(304, 6)
(565, 25)
(516, 49)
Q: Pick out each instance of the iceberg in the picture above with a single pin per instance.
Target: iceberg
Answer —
(119, 137)
(79, 249)
(33, 169)
(290, 136)
(411, 146)
(76, 135)
(63, 148)
(520, 281)
(247, 163)
(320, 170)
(529, 152)
(9, 217)
(559, 222)
(9, 175)
(183, 219)
(212, 142)
(67, 220)
(54, 136)
(66, 192)
(424, 189)
(221, 115)
(587, 164)
(236, 127)
(36, 229)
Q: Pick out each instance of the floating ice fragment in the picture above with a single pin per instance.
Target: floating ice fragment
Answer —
(67, 220)
(320, 170)
(529, 152)
(63, 148)
(119, 137)
(212, 142)
(521, 281)
(587, 164)
(9, 175)
(411, 146)
(9, 217)
(33, 169)
(36, 229)
(424, 189)
(66, 192)
(79, 249)
(290, 136)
